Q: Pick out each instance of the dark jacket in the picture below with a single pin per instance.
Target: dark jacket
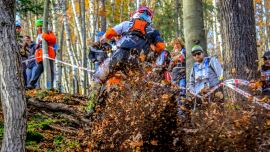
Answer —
(31, 57)
(265, 72)
(98, 52)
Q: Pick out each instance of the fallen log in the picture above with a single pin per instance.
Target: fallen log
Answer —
(58, 128)
(57, 107)
(70, 118)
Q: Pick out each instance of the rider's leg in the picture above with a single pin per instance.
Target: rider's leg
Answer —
(118, 61)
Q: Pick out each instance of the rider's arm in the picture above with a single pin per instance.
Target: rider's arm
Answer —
(159, 42)
(117, 30)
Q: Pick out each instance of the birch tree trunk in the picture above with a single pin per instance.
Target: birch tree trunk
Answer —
(96, 19)
(31, 25)
(179, 28)
(84, 55)
(266, 22)
(218, 28)
(91, 19)
(103, 16)
(55, 31)
(12, 92)
(59, 54)
(193, 29)
(240, 41)
(121, 10)
(77, 20)
(46, 62)
(138, 3)
(215, 45)
(113, 11)
(66, 78)
(69, 48)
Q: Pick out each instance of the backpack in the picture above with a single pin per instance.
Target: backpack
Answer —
(139, 27)
(207, 65)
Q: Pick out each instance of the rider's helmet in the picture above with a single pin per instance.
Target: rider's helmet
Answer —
(144, 9)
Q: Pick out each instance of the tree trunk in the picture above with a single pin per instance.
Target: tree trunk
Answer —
(193, 29)
(84, 55)
(59, 54)
(30, 24)
(138, 3)
(179, 23)
(214, 30)
(239, 37)
(103, 16)
(66, 78)
(121, 10)
(77, 21)
(91, 18)
(96, 19)
(46, 62)
(69, 48)
(55, 31)
(113, 12)
(266, 22)
(12, 91)
(219, 32)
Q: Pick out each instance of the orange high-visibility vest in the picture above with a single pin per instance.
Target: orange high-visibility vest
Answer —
(51, 40)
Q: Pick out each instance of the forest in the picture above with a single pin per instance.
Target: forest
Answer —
(134, 75)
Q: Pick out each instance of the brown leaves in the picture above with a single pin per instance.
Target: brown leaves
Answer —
(154, 142)
(233, 71)
(135, 144)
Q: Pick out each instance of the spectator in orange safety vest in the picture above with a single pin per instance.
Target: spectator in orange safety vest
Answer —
(51, 40)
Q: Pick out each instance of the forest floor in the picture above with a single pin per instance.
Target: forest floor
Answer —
(140, 114)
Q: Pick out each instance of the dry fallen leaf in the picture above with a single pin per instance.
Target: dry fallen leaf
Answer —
(165, 96)
(233, 71)
(154, 142)
(135, 144)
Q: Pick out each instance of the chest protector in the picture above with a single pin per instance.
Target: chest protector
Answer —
(139, 27)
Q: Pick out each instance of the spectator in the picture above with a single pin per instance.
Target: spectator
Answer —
(179, 64)
(206, 72)
(31, 63)
(263, 86)
(51, 40)
(23, 52)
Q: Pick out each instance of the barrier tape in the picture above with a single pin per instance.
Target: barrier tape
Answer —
(237, 81)
(28, 60)
(245, 94)
(228, 83)
(71, 65)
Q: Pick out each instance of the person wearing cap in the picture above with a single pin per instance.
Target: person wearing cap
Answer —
(263, 85)
(51, 41)
(135, 35)
(98, 51)
(206, 72)
(23, 51)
